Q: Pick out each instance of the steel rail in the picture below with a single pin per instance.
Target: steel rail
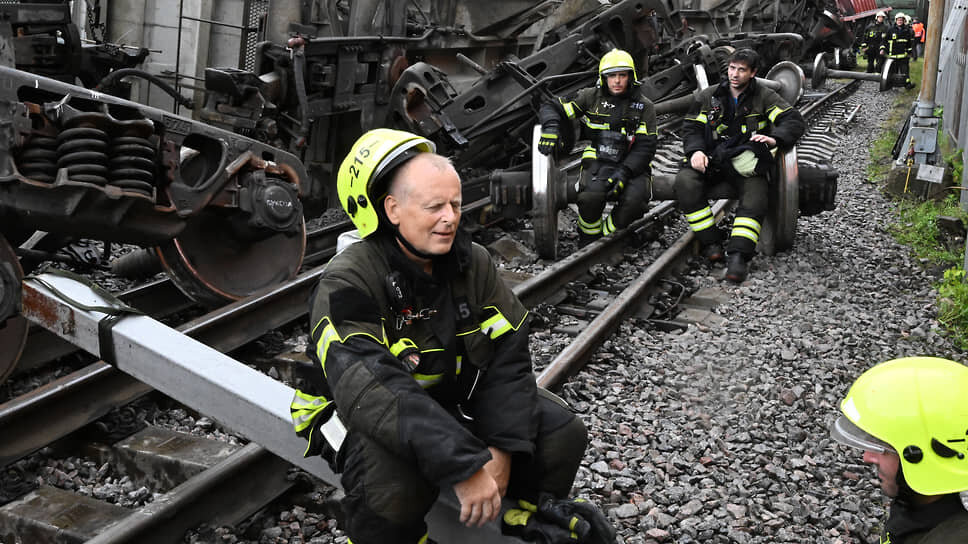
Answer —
(580, 350)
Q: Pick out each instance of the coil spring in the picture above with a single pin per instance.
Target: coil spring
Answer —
(83, 152)
(133, 164)
(38, 160)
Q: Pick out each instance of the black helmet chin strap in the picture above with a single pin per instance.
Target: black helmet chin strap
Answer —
(416, 252)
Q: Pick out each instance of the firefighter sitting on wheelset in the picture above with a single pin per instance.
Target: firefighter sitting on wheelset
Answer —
(619, 120)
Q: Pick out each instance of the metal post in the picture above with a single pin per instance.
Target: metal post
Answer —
(922, 131)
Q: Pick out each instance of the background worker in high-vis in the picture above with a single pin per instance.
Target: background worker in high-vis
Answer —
(910, 418)
(619, 121)
(729, 136)
(422, 356)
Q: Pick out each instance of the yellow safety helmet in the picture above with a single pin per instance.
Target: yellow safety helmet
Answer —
(916, 407)
(359, 181)
(616, 60)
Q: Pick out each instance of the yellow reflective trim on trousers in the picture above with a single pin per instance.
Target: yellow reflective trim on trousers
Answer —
(428, 380)
(569, 109)
(700, 118)
(775, 112)
(701, 214)
(589, 153)
(644, 129)
(608, 226)
(460, 363)
(745, 233)
(404, 343)
(748, 222)
(702, 225)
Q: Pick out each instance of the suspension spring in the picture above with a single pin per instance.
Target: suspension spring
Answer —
(133, 164)
(38, 160)
(83, 152)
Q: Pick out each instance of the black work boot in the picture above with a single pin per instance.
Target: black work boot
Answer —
(713, 252)
(737, 267)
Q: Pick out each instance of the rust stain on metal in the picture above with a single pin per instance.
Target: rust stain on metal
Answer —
(45, 312)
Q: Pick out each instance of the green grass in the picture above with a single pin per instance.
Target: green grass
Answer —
(917, 228)
(916, 224)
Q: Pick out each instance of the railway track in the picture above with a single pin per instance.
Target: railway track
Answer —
(220, 488)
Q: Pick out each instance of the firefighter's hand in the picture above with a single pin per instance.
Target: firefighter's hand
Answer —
(699, 161)
(763, 139)
(616, 183)
(499, 467)
(548, 140)
(480, 499)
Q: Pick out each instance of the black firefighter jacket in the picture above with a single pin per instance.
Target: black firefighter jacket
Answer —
(722, 131)
(375, 314)
(622, 129)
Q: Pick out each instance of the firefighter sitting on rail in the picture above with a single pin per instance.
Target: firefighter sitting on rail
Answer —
(423, 375)
(729, 136)
(874, 36)
(619, 121)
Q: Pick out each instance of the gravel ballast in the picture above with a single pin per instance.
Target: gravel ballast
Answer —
(720, 433)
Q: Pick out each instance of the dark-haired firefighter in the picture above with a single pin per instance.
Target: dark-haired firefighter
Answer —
(422, 356)
(730, 136)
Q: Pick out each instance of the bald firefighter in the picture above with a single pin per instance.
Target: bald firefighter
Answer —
(619, 121)
(423, 376)
(730, 136)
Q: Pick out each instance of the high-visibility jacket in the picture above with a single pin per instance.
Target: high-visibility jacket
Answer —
(415, 361)
(900, 42)
(874, 37)
(622, 129)
(918, 29)
(721, 129)
(941, 522)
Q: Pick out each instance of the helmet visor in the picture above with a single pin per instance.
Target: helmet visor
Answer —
(844, 431)
(616, 69)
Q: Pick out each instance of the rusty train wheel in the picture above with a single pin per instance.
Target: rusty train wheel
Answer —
(211, 264)
(13, 329)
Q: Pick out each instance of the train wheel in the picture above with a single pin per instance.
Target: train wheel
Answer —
(13, 326)
(780, 225)
(213, 265)
(548, 196)
(792, 79)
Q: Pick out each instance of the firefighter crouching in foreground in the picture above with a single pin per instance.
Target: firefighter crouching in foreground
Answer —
(619, 120)
(730, 135)
(909, 417)
(423, 358)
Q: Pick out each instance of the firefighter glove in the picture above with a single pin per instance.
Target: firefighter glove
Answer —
(579, 515)
(548, 140)
(526, 524)
(616, 182)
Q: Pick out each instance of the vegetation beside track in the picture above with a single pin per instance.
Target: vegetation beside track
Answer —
(918, 221)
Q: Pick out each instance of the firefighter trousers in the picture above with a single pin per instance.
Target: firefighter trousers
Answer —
(386, 498)
(692, 189)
